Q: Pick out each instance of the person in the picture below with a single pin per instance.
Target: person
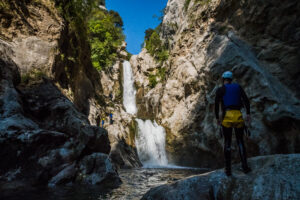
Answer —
(102, 122)
(111, 118)
(232, 98)
(111, 96)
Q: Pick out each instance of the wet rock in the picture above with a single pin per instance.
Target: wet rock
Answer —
(67, 175)
(124, 156)
(272, 177)
(98, 169)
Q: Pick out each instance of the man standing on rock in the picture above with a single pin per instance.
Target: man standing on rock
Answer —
(232, 98)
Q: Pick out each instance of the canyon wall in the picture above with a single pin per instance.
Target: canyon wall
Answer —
(259, 41)
(49, 95)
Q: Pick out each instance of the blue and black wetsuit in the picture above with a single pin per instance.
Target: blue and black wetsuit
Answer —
(111, 118)
(232, 97)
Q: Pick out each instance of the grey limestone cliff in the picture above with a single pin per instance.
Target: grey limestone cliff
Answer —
(258, 41)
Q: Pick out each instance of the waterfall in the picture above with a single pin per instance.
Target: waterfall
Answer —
(150, 143)
(151, 138)
(128, 89)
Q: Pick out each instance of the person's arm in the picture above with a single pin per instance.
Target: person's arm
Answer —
(217, 103)
(245, 101)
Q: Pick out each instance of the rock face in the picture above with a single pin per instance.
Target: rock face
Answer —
(123, 129)
(42, 44)
(259, 42)
(45, 99)
(273, 177)
(147, 99)
(43, 136)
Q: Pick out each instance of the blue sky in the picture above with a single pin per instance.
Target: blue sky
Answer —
(137, 16)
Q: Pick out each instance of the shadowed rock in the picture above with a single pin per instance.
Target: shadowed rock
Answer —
(272, 177)
(43, 137)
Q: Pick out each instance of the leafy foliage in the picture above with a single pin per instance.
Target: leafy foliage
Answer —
(152, 80)
(157, 49)
(75, 13)
(155, 46)
(102, 29)
(157, 77)
(116, 18)
(105, 36)
(162, 73)
(148, 33)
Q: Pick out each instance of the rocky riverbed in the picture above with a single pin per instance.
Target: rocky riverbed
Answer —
(135, 183)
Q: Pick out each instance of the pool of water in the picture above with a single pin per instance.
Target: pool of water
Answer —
(135, 183)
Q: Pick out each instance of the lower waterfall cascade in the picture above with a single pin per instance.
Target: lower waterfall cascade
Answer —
(150, 143)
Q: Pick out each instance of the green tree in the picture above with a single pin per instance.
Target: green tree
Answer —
(105, 36)
(102, 29)
(116, 18)
(148, 33)
(155, 46)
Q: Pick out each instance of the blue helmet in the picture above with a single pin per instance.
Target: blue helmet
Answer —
(227, 74)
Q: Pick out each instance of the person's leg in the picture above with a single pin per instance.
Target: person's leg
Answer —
(227, 132)
(239, 133)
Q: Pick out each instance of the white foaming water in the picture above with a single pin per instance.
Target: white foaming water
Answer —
(150, 143)
(128, 89)
(151, 138)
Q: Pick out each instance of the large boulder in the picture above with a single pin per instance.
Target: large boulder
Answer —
(272, 177)
(98, 169)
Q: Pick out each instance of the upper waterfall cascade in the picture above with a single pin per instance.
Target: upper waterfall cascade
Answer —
(151, 138)
(128, 89)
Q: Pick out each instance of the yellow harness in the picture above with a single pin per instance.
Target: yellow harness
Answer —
(233, 119)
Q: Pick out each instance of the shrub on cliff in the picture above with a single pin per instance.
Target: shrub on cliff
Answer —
(152, 80)
(148, 33)
(156, 77)
(155, 46)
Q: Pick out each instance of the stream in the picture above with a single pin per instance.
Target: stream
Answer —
(135, 183)
(138, 181)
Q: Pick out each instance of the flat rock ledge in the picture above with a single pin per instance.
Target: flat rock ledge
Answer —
(272, 177)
